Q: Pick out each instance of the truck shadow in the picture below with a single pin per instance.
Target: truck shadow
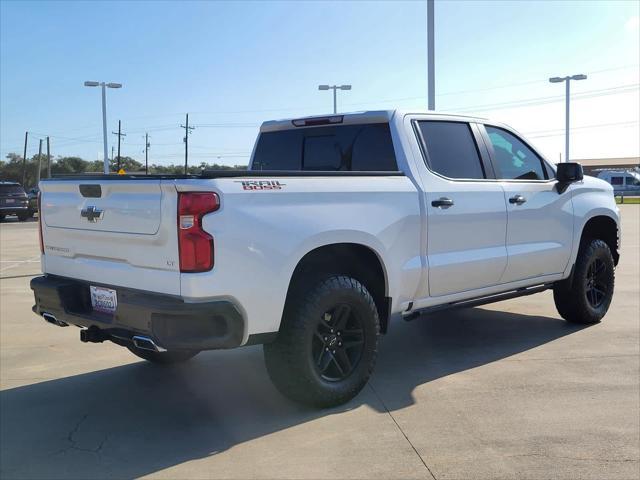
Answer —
(138, 419)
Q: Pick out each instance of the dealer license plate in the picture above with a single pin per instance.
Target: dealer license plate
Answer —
(103, 300)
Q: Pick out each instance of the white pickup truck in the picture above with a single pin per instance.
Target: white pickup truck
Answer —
(341, 224)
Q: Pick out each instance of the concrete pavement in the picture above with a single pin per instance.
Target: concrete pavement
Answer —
(504, 391)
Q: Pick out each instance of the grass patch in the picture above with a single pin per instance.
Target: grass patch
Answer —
(628, 200)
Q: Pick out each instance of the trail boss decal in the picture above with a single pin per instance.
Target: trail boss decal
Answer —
(261, 184)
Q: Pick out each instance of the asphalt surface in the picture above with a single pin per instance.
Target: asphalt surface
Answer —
(504, 391)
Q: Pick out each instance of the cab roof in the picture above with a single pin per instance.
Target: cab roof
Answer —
(354, 118)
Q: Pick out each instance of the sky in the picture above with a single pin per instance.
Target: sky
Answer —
(232, 65)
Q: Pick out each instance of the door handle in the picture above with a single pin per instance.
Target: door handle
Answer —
(517, 199)
(442, 202)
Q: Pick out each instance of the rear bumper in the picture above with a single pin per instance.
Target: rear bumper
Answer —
(170, 322)
(14, 210)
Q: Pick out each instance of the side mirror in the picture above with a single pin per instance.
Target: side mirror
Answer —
(567, 173)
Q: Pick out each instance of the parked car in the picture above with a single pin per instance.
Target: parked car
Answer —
(13, 201)
(341, 224)
(624, 182)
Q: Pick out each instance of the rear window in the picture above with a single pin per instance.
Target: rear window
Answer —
(10, 189)
(332, 148)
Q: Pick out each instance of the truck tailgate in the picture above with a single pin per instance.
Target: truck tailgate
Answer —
(115, 232)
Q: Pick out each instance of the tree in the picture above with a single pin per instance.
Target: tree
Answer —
(11, 168)
(128, 164)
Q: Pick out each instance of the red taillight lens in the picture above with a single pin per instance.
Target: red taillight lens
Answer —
(40, 222)
(195, 245)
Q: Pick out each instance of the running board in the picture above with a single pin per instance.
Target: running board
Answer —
(475, 302)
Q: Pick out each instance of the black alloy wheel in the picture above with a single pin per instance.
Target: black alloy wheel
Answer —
(597, 283)
(338, 343)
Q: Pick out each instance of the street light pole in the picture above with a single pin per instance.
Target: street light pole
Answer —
(431, 72)
(104, 116)
(105, 165)
(335, 100)
(334, 88)
(567, 99)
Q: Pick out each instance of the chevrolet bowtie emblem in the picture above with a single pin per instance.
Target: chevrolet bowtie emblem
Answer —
(92, 213)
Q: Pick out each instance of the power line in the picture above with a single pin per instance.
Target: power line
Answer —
(622, 125)
(522, 84)
(598, 125)
(551, 99)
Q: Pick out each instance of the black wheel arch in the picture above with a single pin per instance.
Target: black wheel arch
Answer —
(350, 259)
(604, 228)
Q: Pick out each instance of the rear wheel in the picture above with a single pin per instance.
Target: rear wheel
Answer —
(587, 298)
(24, 216)
(326, 348)
(164, 358)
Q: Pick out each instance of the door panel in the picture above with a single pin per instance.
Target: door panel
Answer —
(466, 241)
(466, 213)
(539, 219)
(539, 230)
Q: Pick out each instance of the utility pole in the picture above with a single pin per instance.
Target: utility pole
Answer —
(187, 131)
(431, 73)
(146, 153)
(120, 135)
(39, 163)
(24, 159)
(48, 159)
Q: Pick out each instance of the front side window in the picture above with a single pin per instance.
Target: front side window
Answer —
(513, 159)
(451, 149)
(366, 147)
(633, 181)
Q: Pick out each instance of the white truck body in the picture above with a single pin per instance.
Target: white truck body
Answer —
(265, 225)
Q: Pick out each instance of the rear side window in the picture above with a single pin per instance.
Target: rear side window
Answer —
(616, 180)
(513, 159)
(451, 149)
(332, 148)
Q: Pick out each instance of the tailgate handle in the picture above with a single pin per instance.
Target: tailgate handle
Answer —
(91, 190)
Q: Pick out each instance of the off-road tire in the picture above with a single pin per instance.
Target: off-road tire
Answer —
(572, 296)
(294, 359)
(163, 358)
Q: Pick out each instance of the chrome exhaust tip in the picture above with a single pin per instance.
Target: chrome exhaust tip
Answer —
(145, 343)
(53, 320)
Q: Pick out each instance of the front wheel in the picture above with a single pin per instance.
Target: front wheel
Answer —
(163, 358)
(587, 298)
(327, 344)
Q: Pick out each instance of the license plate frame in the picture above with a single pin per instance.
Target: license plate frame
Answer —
(10, 200)
(103, 300)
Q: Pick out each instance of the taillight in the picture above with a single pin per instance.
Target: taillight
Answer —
(194, 244)
(40, 222)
